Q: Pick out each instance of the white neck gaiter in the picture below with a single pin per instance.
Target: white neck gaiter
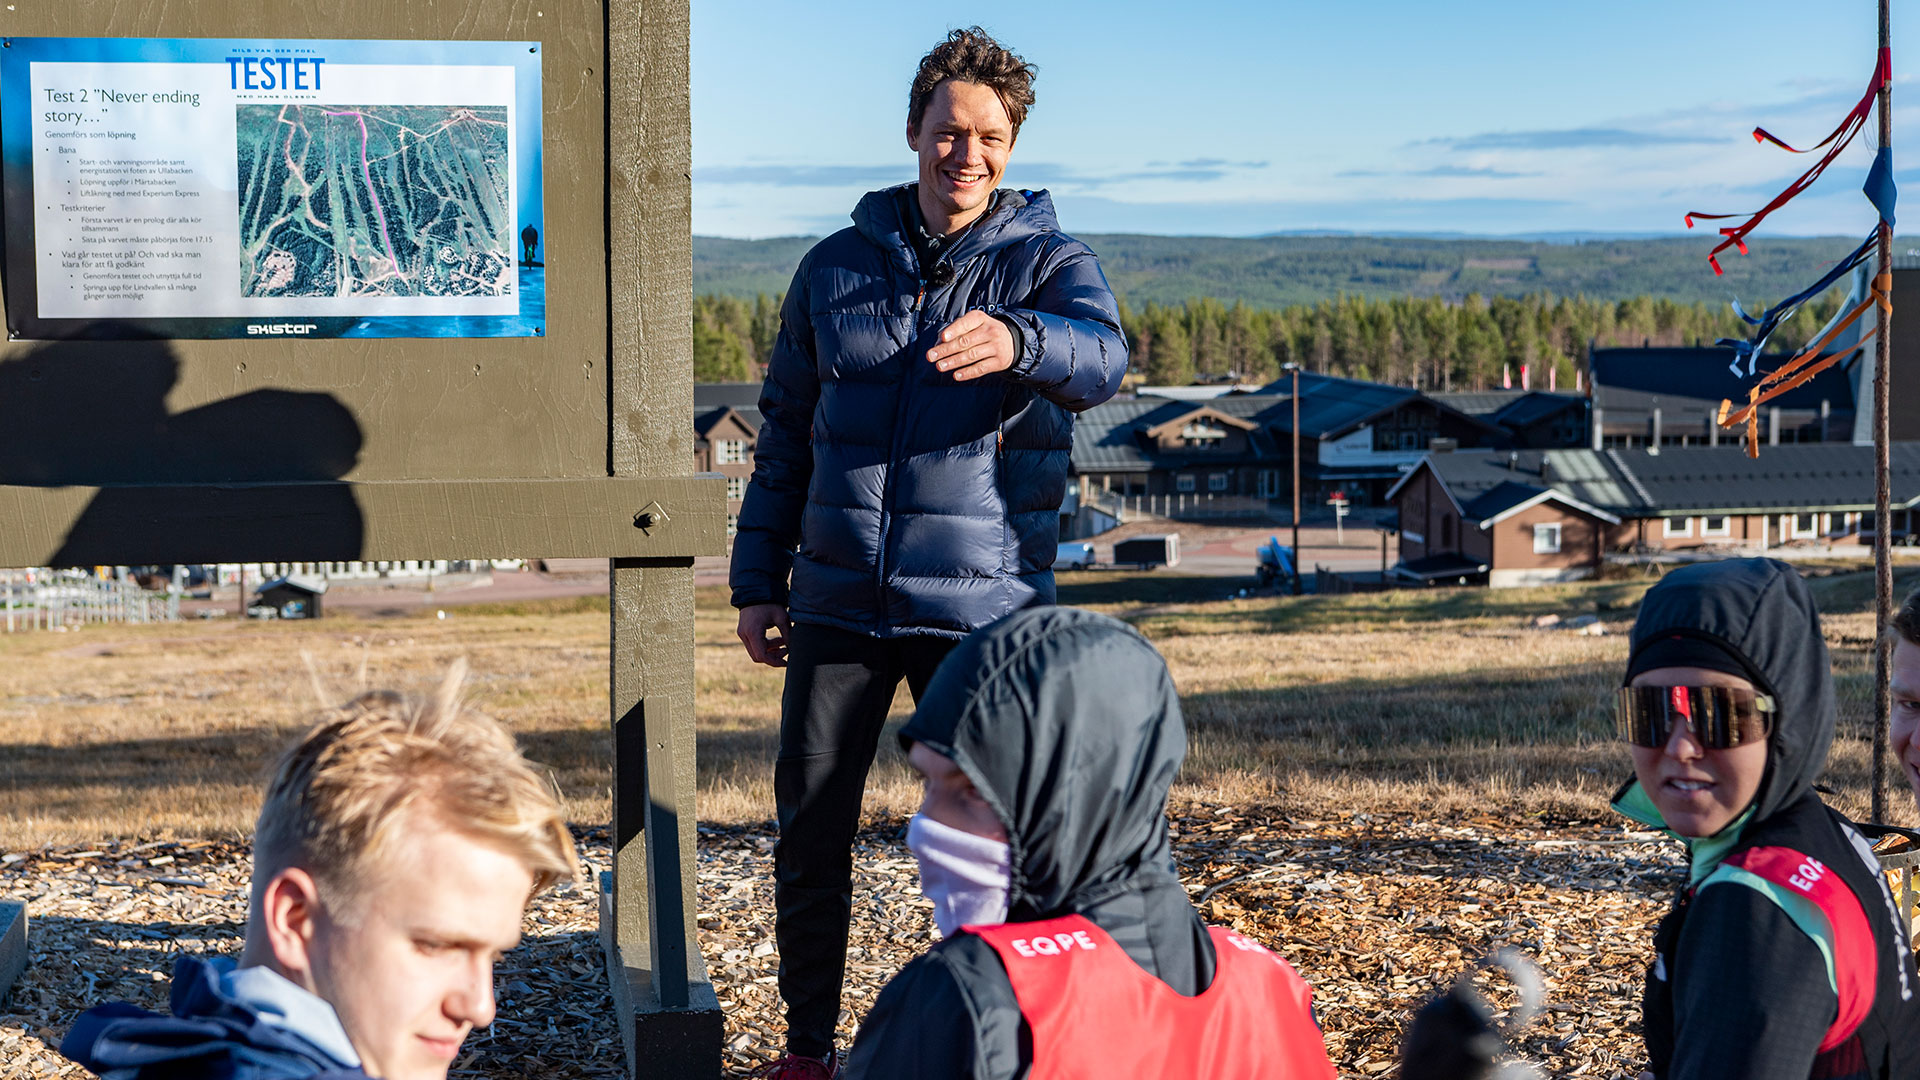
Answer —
(966, 876)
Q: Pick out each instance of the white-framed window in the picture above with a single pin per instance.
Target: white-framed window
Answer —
(736, 488)
(1676, 526)
(733, 525)
(730, 452)
(1184, 482)
(1806, 525)
(1217, 481)
(1546, 539)
(1200, 435)
(1715, 525)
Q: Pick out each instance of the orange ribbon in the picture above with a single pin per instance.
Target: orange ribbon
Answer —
(1805, 365)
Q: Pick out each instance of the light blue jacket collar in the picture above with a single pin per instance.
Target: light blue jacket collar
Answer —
(281, 1004)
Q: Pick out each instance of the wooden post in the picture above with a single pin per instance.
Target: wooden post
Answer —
(670, 1018)
(1883, 519)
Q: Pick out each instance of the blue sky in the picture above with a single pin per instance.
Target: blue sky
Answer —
(1232, 119)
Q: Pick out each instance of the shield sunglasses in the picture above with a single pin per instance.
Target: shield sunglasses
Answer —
(1718, 716)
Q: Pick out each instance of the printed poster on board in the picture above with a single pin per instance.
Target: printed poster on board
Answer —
(208, 188)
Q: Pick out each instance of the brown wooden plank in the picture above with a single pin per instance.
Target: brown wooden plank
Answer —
(337, 521)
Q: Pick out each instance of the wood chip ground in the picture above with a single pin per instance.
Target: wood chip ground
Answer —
(1376, 911)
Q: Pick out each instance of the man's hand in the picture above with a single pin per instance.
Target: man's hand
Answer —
(973, 345)
(755, 621)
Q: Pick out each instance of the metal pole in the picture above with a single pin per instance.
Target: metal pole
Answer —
(1296, 480)
(1882, 515)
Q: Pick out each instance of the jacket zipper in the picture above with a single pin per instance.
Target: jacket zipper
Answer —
(893, 459)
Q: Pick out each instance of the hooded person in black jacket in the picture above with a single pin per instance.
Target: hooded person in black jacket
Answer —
(1783, 956)
(1064, 726)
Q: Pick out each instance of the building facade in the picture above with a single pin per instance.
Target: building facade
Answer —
(1560, 511)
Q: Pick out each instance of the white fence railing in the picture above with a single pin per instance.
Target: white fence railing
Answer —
(40, 599)
(1195, 506)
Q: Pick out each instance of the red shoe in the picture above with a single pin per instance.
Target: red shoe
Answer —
(796, 1067)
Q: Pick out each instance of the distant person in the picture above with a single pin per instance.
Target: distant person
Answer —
(1046, 745)
(394, 857)
(529, 242)
(1905, 684)
(1783, 957)
(918, 415)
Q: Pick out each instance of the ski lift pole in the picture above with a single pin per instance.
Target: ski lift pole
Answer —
(1882, 515)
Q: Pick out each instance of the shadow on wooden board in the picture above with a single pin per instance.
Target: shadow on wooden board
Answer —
(95, 414)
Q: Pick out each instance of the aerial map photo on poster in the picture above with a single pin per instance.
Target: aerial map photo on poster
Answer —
(201, 188)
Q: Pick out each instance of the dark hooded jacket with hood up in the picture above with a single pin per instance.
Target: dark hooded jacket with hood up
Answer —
(1738, 988)
(1068, 725)
(899, 501)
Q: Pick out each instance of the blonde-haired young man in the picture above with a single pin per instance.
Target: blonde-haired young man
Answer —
(394, 857)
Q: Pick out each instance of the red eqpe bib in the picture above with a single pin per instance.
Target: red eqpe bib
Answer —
(1856, 958)
(1096, 1014)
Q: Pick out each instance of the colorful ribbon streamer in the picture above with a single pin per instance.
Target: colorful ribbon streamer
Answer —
(1879, 187)
(1835, 142)
(1770, 319)
(1808, 363)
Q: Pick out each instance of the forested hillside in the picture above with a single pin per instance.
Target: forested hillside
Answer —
(1282, 270)
(1412, 341)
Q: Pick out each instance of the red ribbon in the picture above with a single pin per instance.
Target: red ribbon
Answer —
(1836, 141)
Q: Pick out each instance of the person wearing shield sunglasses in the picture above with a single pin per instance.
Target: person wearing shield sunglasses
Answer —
(1783, 957)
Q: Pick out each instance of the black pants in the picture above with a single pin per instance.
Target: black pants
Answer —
(839, 687)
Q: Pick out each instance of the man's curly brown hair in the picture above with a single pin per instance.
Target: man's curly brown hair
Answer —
(971, 55)
(1906, 621)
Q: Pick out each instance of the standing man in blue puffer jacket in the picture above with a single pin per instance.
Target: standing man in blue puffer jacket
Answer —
(918, 416)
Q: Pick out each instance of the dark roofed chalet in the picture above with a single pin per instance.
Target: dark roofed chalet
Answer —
(1357, 437)
(726, 425)
(1685, 387)
(1538, 419)
(1817, 494)
(1522, 517)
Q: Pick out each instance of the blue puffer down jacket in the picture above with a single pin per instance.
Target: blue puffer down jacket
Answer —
(903, 502)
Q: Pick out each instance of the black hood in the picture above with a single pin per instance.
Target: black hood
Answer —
(1761, 612)
(1068, 724)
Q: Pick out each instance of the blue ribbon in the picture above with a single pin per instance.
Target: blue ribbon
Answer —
(1770, 319)
(1879, 186)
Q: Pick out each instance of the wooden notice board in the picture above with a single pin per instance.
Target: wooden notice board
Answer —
(576, 442)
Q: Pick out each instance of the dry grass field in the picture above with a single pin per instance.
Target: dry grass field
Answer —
(1446, 699)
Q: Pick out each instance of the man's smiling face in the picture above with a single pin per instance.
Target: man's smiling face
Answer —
(963, 141)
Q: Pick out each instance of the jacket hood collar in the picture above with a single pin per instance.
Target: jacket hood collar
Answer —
(1762, 612)
(1068, 725)
(1015, 216)
(210, 1012)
